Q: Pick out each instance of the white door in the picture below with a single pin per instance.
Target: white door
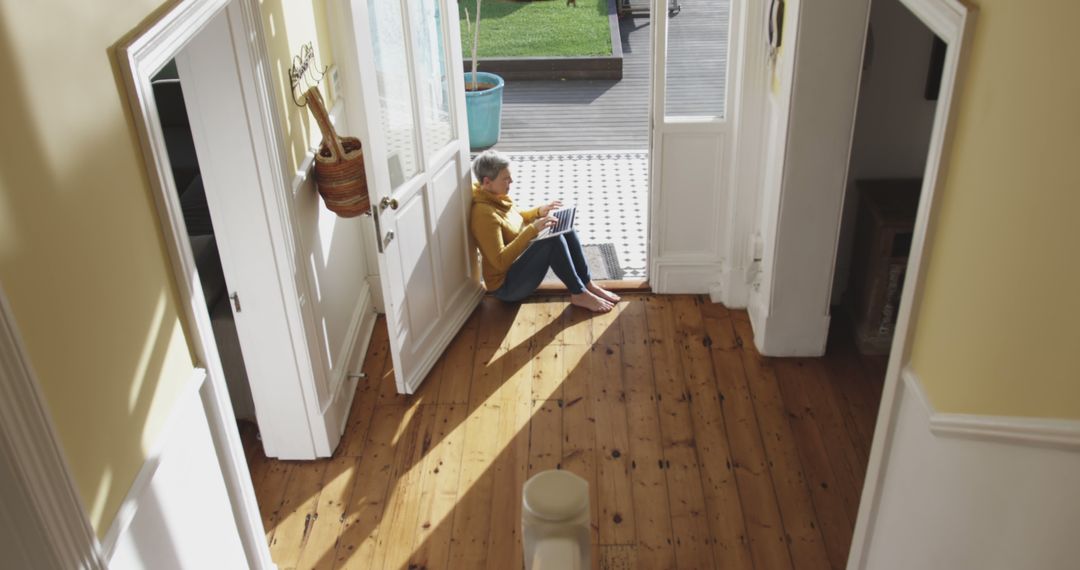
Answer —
(265, 307)
(417, 156)
(691, 145)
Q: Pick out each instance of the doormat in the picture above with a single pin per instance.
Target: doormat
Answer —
(602, 260)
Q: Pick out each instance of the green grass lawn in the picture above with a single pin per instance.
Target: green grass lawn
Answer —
(538, 28)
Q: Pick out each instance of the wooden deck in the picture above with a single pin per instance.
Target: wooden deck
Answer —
(614, 115)
(699, 452)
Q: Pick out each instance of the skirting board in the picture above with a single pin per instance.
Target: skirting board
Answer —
(1004, 499)
(790, 338)
(338, 410)
(360, 326)
(733, 290)
(684, 277)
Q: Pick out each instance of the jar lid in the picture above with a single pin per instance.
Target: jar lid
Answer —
(556, 495)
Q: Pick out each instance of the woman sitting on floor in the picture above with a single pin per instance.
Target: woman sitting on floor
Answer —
(514, 264)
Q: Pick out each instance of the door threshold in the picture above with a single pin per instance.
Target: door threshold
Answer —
(615, 285)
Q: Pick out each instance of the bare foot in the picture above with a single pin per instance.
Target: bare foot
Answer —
(602, 293)
(591, 302)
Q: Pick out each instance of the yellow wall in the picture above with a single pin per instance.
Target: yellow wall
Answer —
(82, 260)
(288, 25)
(996, 332)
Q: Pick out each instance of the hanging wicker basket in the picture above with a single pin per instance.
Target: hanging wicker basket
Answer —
(339, 165)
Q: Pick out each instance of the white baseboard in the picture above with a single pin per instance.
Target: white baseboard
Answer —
(364, 312)
(684, 277)
(776, 335)
(178, 513)
(734, 288)
(337, 413)
(958, 491)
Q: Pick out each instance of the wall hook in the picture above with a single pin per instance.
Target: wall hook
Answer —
(304, 74)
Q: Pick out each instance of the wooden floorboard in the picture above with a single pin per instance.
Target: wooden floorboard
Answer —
(699, 452)
(686, 497)
(826, 490)
(793, 496)
(738, 485)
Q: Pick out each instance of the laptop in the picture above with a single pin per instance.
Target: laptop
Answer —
(565, 223)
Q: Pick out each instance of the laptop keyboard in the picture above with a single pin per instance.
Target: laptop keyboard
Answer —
(565, 218)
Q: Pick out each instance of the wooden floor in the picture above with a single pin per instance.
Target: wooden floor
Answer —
(699, 452)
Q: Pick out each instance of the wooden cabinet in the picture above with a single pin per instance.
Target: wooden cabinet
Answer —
(886, 222)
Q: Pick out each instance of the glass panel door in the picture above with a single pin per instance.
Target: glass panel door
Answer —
(421, 191)
(433, 89)
(697, 58)
(395, 96)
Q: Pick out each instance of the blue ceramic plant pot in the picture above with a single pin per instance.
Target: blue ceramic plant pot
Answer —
(484, 109)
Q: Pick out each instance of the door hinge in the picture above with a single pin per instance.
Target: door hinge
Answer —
(236, 301)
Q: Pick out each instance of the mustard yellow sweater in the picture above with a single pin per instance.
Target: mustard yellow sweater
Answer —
(502, 232)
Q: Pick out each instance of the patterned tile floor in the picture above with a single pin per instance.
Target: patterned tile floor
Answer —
(610, 189)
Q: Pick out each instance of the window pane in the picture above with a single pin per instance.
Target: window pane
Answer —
(697, 58)
(395, 99)
(429, 49)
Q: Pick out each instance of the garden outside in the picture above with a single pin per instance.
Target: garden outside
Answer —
(537, 28)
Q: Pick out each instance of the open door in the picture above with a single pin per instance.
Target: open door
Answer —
(690, 145)
(417, 156)
(263, 300)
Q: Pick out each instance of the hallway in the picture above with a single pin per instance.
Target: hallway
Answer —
(699, 452)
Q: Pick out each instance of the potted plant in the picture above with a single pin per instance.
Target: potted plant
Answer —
(483, 96)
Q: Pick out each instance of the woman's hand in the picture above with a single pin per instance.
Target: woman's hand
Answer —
(543, 222)
(546, 208)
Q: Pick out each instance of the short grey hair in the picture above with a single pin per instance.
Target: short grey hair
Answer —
(489, 164)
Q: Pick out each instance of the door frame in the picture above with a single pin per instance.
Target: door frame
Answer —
(725, 264)
(141, 59)
(53, 528)
(951, 21)
(695, 269)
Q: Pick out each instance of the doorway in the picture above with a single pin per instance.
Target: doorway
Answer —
(901, 77)
(576, 128)
(207, 58)
(591, 140)
(191, 194)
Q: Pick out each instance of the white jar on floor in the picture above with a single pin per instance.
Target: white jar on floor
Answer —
(555, 521)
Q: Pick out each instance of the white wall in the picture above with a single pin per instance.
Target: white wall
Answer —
(949, 502)
(892, 130)
(892, 126)
(178, 513)
(790, 310)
